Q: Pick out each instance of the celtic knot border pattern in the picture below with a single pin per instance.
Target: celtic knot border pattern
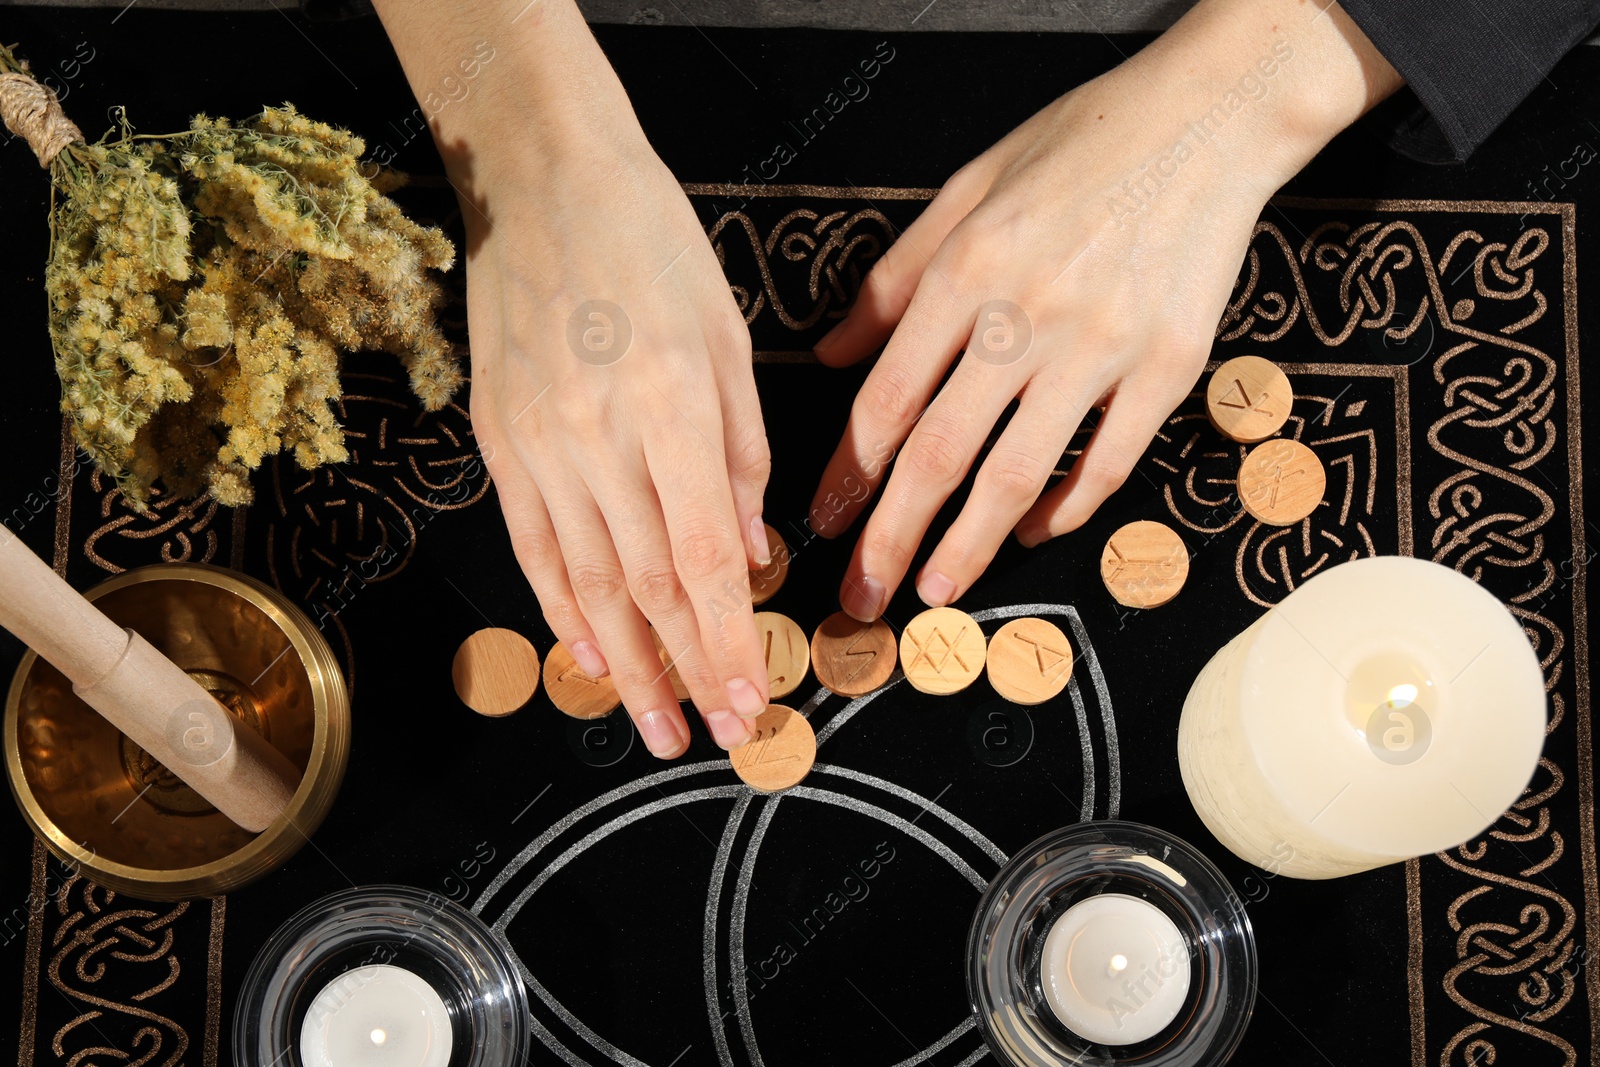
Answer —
(1518, 946)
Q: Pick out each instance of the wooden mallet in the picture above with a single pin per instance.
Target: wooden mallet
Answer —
(143, 693)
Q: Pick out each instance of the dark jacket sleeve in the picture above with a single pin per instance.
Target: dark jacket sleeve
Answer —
(1469, 63)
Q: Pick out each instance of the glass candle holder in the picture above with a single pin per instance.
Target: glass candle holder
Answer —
(1111, 943)
(382, 976)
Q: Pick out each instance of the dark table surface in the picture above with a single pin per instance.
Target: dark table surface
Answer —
(641, 896)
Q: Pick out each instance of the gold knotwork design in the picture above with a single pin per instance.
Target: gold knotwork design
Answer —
(808, 266)
(95, 943)
(1517, 959)
(183, 531)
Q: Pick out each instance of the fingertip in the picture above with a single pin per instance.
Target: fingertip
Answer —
(821, 523)
(589, 659)
(1031, 536)
(746, 697)
(665, 734)
(834, 359)
(1042, 521)
(831, 513)
(1060, 511)
(760, 545)
(726, 729)
(843, 345)
(825, 344)
(1072, 513)
(935, 589)
(863, 599)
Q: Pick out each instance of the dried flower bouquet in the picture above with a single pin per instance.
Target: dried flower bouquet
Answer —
(202, 284)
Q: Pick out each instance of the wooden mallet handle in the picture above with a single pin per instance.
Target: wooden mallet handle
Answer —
(142, 693)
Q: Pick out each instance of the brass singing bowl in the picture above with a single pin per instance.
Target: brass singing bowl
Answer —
(108, 810)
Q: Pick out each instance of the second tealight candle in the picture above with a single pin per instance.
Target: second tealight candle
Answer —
(1115, 969)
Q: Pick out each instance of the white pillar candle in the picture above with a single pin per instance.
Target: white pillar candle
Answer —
(1386, 709)
(1115, 969)
(378, 1016)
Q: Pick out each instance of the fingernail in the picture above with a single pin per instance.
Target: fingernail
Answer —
(862, 600)
(827, 340)
(758, 538)
(1032, 537)
(727, 730)
(745, 698)
(936, 590)
(660, 735)
(589, 659)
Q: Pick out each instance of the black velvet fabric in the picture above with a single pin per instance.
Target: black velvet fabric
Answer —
(1470, 424)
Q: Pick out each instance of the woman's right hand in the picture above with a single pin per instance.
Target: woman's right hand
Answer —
(612, 392)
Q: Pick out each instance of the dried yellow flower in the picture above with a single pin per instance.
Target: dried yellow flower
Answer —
(202, 284)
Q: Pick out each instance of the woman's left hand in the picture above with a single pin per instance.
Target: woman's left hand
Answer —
(1083, 261)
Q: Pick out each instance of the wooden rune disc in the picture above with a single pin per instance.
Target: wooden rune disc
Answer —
(1030, 661)
(769, 579)
(679, 690)
(1248, 399)
(495, 671)
(1144, 564)
(852, 658)
(942, 651)
(1281, 482)
(787, 651)
(780, 752)
(573, 691)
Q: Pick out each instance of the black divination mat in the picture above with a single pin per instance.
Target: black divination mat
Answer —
(668, 915)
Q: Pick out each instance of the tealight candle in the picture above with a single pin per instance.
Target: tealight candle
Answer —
(1386, 709)
(1115, 969)
(1157, 967)
(377, 1016)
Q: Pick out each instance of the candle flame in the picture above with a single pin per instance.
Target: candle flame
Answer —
(1119, 963)
(379, 1037)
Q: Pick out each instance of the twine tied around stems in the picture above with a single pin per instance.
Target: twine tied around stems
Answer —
(31, 111)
